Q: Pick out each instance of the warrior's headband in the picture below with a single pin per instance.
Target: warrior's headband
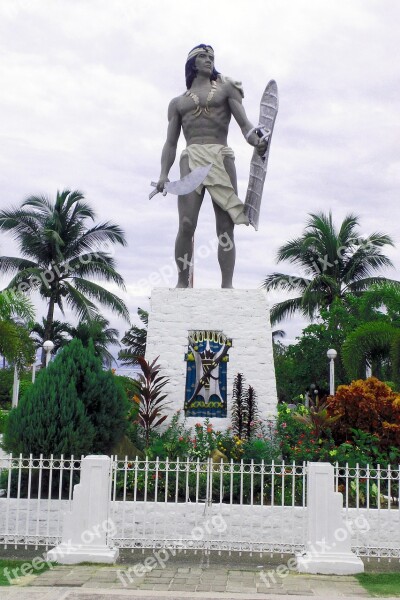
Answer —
(200, 50)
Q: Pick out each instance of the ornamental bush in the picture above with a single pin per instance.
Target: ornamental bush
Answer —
(367, 405)
(6, 385)
(3, 420)
(74, 407)
(297, 437)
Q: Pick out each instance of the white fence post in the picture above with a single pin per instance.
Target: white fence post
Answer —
(87, 525)
(328, 547)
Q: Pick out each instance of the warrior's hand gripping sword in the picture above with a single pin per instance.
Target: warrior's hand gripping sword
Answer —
(187, 184)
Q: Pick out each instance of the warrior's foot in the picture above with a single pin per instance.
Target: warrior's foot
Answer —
(182, 283)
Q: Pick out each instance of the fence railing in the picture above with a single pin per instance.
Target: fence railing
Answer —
(153, 501)
(247, 507)
(275, 484)
(34, 493)
(368, 487)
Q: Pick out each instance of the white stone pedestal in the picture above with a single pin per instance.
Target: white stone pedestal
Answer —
(242, 315)
(85, 528)
(328, 547)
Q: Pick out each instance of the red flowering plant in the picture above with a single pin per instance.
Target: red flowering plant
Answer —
(205, 440)
(298, 438)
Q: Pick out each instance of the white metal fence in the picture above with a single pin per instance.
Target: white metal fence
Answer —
(34, 493)
(368, 487)
(372, 493)
(225, 506)
(199, 505)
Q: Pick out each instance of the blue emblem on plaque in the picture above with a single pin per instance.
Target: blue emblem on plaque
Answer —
(207, 358)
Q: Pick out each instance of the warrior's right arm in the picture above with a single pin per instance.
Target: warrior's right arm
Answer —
(169, 150)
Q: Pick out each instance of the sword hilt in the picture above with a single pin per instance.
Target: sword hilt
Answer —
(154, 192)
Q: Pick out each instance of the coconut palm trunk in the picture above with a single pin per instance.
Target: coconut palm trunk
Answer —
(49, 327)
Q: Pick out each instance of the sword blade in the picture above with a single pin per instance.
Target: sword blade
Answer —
(188, 183)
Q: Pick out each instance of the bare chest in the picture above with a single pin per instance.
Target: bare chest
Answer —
(204, 101)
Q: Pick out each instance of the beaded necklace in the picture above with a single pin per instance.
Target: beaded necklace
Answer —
(199, 110)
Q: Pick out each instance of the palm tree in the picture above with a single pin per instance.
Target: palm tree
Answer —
(16, 314)
(98, 331)
(135, 340)
(333, 263)
(60, 253)
(376, 341)
(14, 305)
(60, 334)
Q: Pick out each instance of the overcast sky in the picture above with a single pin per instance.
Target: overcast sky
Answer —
(84, 91)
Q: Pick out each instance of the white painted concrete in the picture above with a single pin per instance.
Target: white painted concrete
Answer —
(242, 315)
(328, 545)
(38, 521)
(84, 536)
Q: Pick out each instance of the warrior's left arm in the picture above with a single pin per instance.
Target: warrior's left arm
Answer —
(239, 114)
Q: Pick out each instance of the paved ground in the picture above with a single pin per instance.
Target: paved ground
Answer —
(211, 582)
(185, 576)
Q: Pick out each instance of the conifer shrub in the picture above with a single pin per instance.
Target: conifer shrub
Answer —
(74, 407)
(367, 405)
(3, 420)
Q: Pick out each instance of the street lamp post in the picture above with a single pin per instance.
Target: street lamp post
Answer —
(331, 354)
(34, 365)
(15, 391)
(368, 370)
(48, 347)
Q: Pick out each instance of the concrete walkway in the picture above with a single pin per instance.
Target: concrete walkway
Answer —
(97, 582)
(188, 575)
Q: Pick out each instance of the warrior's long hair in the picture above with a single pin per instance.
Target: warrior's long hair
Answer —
(191, 71)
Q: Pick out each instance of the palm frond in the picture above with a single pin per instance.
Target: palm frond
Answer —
(102, 233)
(9, 264)
(14, 304)
(100, 294)
(285, 309)
(95, 265)
(285, 282)
(79, 303)
(355, 287)
(365, 343)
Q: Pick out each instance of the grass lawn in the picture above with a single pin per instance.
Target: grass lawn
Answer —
(380, 584)
(17, 564)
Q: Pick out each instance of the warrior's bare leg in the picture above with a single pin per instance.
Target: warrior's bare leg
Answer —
(225, 232)
(188, 210)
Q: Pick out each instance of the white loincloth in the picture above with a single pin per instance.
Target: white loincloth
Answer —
(217, 182)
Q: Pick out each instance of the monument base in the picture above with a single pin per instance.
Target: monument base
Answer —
(330, 564)
(241, 315)
(67, 555)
